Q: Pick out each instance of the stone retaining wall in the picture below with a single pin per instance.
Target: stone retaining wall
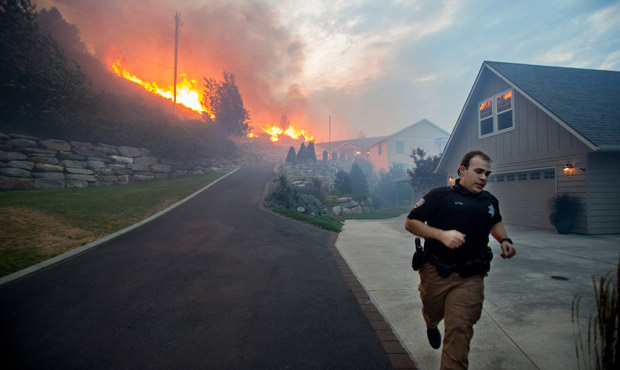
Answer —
(28, 162)
(301, 175)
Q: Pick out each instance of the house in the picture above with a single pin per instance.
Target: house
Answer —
(384, 151)
(548, 130)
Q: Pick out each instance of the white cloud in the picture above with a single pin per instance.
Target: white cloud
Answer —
(425, 79)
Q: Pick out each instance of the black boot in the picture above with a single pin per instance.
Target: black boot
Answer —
(434, 337)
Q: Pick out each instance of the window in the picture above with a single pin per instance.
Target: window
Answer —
(491, 178)
(500, 178)
(550, 174)
(522, 176)
(380, 148)
(510, 177)
(535, 176)
(400, 147)
(496, 114)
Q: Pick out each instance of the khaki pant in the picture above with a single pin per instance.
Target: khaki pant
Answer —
(457, 300)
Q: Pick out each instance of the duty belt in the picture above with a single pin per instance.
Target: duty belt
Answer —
(475, 266)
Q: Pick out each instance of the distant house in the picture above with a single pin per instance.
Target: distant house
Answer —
(549, 130)
(384, 151)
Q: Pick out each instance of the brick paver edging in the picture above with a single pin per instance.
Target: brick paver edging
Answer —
(396, 352)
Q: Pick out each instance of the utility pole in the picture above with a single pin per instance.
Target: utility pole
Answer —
(329, 152)
(177, 26)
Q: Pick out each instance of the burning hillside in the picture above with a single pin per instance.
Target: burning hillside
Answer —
(189, 95)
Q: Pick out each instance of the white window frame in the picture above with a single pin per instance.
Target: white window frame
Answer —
(495, 114)
(396, 147)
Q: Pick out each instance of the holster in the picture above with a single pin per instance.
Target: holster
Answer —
(419, 257)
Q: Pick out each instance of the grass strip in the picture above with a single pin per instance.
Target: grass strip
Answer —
(40, 224)
(378, 214)
(324, 222)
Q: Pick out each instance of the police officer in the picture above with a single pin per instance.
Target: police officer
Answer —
(455, 223)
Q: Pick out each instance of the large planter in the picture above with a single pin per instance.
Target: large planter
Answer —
(564, 226)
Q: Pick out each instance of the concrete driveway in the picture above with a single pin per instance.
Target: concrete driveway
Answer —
(526, 322)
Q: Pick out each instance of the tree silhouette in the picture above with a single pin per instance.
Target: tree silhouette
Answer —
(301, 154)
(423, 177)
(310, 154)
(291, 157)
(224, 106)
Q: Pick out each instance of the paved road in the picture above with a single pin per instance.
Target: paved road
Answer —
(214, 284)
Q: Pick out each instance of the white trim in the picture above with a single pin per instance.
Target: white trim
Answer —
(495, 115)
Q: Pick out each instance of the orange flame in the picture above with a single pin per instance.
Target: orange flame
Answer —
(188, 95)
(290, 131)
(485, 105)
(187, 90)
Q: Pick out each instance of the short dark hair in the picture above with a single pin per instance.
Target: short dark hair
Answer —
(467, 158)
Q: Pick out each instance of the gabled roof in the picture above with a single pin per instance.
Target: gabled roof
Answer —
(423, 121)
(361, 144)
(586, 100)
(365, 143)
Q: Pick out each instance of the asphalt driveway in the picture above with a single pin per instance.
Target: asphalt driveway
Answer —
(216, 283)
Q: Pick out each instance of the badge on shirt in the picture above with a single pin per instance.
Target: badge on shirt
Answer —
(491, 210)
(419, 203)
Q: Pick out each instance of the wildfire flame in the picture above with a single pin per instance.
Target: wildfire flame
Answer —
(274, 131)
(187, 90)
(189, 96)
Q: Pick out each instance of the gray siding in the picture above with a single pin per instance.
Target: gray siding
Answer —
(603, 193)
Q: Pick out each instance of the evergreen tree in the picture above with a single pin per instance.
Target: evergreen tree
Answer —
(342, 182)
(224, 106)
(310, 154)
(359, 184)
(291, 157)
(301, 154)
(423, 176)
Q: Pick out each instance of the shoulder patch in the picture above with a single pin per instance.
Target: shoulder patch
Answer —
(419, 203)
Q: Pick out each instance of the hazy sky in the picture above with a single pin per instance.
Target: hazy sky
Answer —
(374, 66)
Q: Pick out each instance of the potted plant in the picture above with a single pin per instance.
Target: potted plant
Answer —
(564, 209)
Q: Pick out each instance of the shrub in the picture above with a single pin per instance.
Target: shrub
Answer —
(603, 345)
(563, 207)
(285, 195)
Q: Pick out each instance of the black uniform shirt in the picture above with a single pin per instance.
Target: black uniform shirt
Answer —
(457, 208)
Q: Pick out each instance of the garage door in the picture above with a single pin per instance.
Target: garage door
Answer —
(524, 196)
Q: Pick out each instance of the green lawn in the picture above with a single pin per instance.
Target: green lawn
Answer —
(379, 214)
(39, 224)
(324, 222)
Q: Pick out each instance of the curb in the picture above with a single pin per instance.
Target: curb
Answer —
(99, 242)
